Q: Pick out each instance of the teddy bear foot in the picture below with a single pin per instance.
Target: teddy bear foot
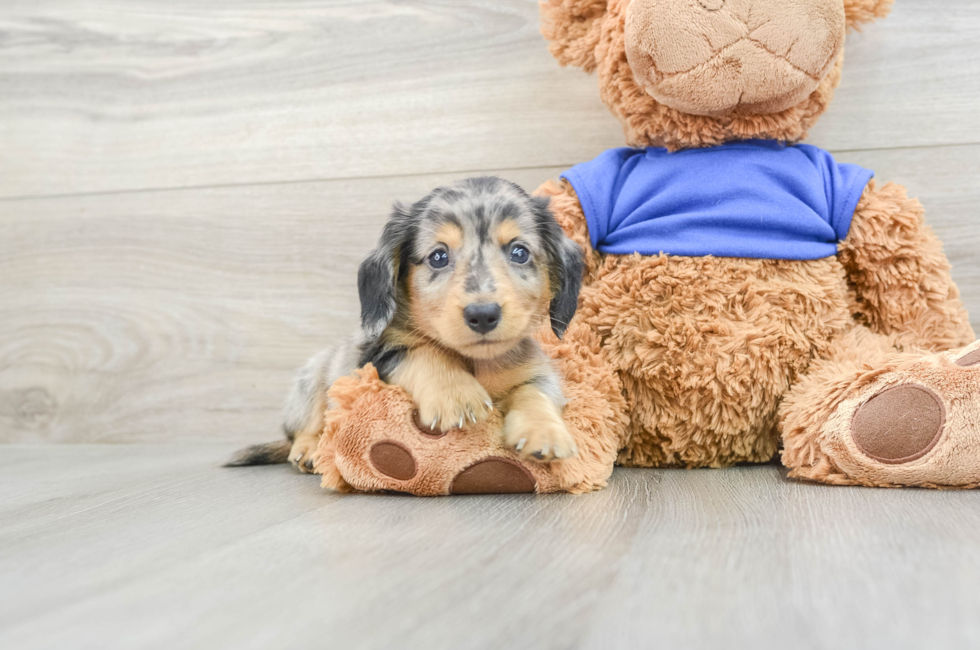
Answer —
(374, 441)
(394, 460)
(917, 424)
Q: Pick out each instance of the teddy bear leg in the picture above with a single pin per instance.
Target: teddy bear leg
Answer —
(374, 441)
(871, 415)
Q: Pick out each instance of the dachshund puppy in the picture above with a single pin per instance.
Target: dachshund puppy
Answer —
(450, 299)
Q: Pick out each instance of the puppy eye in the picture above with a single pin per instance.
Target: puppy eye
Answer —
(439, 259)
(519, 254)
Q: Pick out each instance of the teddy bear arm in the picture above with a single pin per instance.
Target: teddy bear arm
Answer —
(899, 274)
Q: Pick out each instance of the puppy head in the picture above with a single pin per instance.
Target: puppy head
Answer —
(476, 266)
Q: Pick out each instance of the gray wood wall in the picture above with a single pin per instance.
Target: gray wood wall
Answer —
(186, 187)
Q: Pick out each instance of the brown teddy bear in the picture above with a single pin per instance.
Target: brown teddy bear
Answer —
(743, 293)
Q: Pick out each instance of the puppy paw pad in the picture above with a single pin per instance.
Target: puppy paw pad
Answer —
(970, 359)
(494, 475)
(899, 425)
(393, 459)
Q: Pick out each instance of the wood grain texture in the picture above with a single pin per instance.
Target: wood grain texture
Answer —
(153, 547)
(111, 95)
(181, 315)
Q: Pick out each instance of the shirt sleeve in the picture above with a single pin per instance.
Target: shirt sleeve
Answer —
(849, 183)
(844, 183)
(596, 184)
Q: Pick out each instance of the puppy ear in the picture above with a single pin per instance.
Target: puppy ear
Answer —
(565, 300)
(565, 266)
(573, 27)
(378, 275)
(857, 12)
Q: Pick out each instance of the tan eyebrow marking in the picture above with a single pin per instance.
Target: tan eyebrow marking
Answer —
(450, 235)
(507, 231)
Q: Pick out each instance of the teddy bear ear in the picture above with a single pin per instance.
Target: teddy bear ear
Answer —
(858, 12)
(573, 27)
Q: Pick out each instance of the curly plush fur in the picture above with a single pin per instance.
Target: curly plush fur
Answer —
(706, 362)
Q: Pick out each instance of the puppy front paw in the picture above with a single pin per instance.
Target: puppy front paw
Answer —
(301, 453)
(466, 401)
(539, 433)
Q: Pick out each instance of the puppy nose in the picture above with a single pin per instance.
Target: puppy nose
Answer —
(482, 317)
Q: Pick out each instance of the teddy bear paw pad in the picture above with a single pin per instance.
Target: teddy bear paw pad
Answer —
(899, 425)
(393, 459)
(494, 475)
(425, 429)
(970, 359)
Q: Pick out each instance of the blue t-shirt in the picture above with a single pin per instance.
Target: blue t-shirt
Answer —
(758, 198)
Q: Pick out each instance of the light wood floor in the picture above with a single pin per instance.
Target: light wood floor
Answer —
(186, 188)
(152, 546)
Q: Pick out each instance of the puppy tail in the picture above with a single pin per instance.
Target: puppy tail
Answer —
(270, 453)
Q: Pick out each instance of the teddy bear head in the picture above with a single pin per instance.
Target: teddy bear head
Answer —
(694, 73)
